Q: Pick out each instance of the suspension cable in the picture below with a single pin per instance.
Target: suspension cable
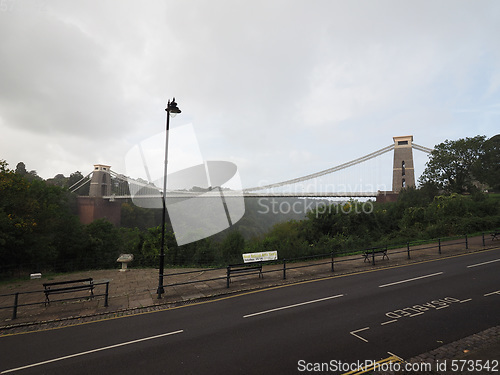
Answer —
(326, 171)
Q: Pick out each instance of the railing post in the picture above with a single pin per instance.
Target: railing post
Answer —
(466, 242)
(408, 249)
(228, 275)
(284, 269)
(14, 312)
(439, 244)
(106, 295)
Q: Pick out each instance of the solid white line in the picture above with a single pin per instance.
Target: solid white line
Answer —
(466, 300)
(407, 280)
(490, 294)
(481, 264)
(359, 330)
(290, 306)
(91, 351)
(388, 322)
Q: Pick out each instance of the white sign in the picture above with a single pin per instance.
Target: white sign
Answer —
(257, 257)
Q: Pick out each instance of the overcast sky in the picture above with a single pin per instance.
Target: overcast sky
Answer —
(280, 88)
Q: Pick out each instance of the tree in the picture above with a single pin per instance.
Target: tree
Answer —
(21, 169)
(489, 171)
(454, 166)
(77, 179)
(232, 247)
(58, 180)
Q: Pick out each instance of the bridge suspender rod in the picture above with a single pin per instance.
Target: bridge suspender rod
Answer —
(326, 171)
(72, 188)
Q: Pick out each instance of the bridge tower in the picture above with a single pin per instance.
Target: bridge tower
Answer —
(100, 184)
(95, 206)
(403, 174)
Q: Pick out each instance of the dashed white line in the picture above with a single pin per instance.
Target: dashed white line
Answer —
(413, 279)
(91, 351)
(482, 264)
(359, 330)
(290, 306)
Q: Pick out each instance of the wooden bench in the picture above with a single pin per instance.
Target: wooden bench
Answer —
(375, 251)
(243, 269)
(61, 287)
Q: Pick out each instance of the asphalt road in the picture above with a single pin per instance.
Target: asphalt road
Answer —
(402, 311)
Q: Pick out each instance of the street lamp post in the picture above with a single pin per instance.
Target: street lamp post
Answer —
(171, 109)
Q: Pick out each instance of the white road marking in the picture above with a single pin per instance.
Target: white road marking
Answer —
(290, 306)
(442, 307)
(419, 313)
(490, 294)
(91, 351)
(413, 279)
(397, 356)
(388, 322)
(482, 264)
(466, 300)
(359, 330)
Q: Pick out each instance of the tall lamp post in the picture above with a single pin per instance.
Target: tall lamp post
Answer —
(171, 110)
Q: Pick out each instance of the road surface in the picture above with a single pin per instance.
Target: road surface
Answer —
(334, 322)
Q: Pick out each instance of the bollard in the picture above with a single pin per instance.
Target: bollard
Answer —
(284, 269)
(373, 256)
(106, 296)
(332, 260)
(14, 312)
(228, 273)
(484, 243)
(439, 244)
(408, 249)
(466, 242)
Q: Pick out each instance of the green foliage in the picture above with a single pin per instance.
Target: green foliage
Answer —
(39, 229)
(458, 166)
(36, 223)
(489, 163)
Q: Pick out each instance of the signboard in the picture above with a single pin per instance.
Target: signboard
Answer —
(257, 257)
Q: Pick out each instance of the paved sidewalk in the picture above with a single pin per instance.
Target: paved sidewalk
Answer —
(134, 291)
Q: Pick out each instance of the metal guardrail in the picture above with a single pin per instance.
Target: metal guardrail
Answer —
(16, 295)
(335, 257)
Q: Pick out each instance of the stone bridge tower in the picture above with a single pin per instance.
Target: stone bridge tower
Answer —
(403, 174)
(95, 206)
(100, 184)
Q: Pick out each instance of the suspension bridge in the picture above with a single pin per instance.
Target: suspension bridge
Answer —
(111, 186)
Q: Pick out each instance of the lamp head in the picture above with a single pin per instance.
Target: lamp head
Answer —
(172, 108)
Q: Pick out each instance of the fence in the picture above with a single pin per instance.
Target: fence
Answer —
(16, 295)
(333, 258)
